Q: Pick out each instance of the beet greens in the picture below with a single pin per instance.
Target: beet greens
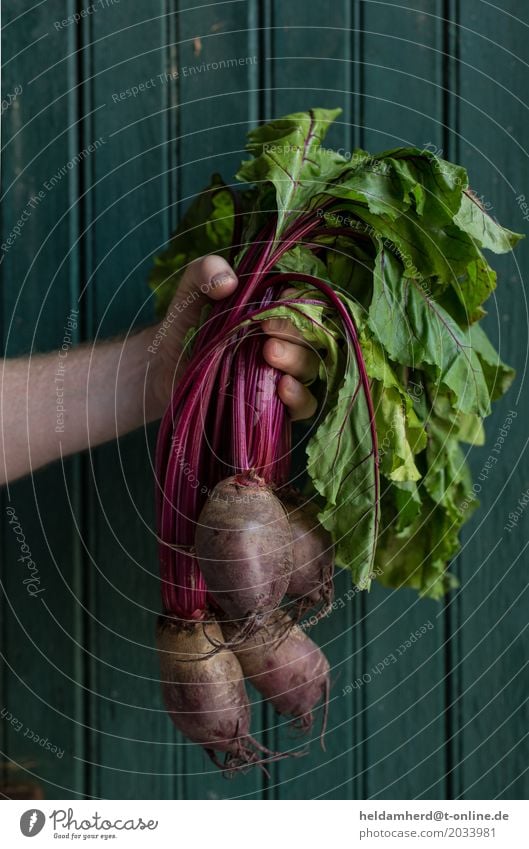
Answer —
(386, 254)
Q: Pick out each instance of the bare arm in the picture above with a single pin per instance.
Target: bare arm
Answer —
(53, 405)
(60, 403)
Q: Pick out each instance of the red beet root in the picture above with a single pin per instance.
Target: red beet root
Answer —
(244, 547)
(311, 581)
(287, 668)
(205, 696)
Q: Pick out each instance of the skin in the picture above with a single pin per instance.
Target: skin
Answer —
(112, 387)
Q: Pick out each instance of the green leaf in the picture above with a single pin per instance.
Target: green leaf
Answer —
(341, 468)
(407, 501)
(447, 480)
(207, 227)
(498, 376)
(417, 557)
(404, 181)
(395, 452)
(288, 153)
(301, 260)
(417, 332)
(474, 220)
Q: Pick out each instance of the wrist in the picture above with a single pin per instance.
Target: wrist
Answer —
(156, 396)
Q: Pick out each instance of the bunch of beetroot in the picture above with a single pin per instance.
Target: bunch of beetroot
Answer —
(378, 262)
(243, 555)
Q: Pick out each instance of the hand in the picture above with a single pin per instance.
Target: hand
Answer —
(285, 349)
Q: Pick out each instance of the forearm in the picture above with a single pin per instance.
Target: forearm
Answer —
(56, 404)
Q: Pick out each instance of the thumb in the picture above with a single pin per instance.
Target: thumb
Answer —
(211, 276)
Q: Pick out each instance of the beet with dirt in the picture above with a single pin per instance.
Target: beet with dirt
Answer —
(287, 668)
(311, 579)
(244, 548)
(205, 696)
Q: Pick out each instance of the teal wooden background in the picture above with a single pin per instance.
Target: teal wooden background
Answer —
(451, 718)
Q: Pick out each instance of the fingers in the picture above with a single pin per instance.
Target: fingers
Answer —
(288, 351)
(300, 402)
(282, 328)
(291, 357)
(212, 276)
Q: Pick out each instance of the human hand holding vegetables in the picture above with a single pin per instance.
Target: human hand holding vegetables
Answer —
(112, 387)
(285, 349)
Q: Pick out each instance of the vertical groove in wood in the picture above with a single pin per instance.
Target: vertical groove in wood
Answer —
(43, 667)
(492, 653)
(358, 71)
(350, 140)
(173, 112)
(77, 478)
(4, 492)
(401, 106)
(267, 72)
(254, 44)
(452, 609)
(348, 73)
(88, 311)
(179, 760)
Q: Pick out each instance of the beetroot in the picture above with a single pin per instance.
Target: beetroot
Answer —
(244, 548)
(287, 668)
(311, 581)
(205, 696)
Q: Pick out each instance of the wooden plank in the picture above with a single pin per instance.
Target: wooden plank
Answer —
(216, 105)
(404, 705)
(43, 682)
(491, 712)
(132, 741)
(311, 65)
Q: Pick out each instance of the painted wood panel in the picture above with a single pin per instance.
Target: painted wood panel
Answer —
(493, 641)
(450, 718)
(43, 671)
(404, 721)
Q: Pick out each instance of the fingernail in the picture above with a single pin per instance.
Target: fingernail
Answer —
(279, 349)
(221, 279)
